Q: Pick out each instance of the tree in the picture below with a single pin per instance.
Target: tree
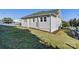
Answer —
(78, 22)
(65, 23)
(7, 20)
(73, 22)
(57, 11)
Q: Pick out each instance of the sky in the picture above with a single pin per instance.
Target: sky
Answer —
(16, 14)
(68, 14)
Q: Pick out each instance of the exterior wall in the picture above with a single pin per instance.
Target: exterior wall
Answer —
(28, 22)
(25, 23)
(52, 23)
(55, 23)
(40, 25)
(44, 25)
(32, 23)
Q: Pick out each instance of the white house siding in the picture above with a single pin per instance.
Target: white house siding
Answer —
(24, 23)
(28, 23)
(55, 23)
(52, 23)
(60, 22)
(32, 23)
(44, 25)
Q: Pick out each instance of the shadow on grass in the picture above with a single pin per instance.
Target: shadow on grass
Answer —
(15, 38)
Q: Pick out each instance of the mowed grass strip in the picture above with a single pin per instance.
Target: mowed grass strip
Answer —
(14, 38)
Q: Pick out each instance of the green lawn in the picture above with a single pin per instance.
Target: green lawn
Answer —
(19, 37)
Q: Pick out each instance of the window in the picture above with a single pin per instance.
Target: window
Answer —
(33, 19)
(41, 19)
(44, 19)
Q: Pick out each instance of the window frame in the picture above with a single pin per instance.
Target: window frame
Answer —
(33, 19)
(41, 19)
(45, 19)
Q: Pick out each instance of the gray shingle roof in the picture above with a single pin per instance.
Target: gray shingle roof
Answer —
(42, 13)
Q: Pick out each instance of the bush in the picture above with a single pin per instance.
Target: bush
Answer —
(7, 20)
(65, 24)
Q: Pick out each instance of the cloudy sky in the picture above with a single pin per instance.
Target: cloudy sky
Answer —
(66, 14)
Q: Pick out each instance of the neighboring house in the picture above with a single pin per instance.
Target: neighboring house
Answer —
(44, 20)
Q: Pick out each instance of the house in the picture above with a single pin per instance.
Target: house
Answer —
(43, 20)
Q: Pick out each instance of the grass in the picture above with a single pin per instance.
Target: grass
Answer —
(20, 37)
(58, 40)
